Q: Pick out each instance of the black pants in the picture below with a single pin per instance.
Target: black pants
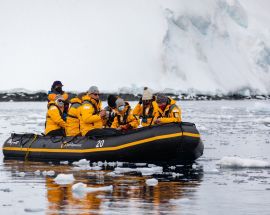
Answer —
(102, 132)
(58, 132)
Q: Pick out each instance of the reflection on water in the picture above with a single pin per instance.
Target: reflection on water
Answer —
(130, 191)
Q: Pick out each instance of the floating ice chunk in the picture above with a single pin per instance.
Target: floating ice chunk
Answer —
(151, 165)
(175, 175)
(113, 174)
(37, 172)
(21, 174)
(140, 164)
(119, 170)
(120, 164)
(212, 171)
(50, 173)
(96, 168)
(172, 167)
(194, 166)
(64, 179)
(33, 210)
(79, 168)
(82, 188)
(235, 162)
(112, 164)
(64, 162)
(151, 182)
(82, 162)
(150, 171)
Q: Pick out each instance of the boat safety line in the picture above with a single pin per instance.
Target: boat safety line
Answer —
(112, 148)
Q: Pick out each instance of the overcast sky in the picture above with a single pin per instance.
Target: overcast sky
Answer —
(80, 42)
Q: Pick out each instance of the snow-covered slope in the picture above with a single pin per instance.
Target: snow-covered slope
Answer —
(206, 46)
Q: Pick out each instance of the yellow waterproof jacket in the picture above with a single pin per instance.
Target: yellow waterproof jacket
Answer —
(54, 120)
(52, 96)
(148, 114)
(172, 113)
(89, 117)
(73, 117)
(125, 118)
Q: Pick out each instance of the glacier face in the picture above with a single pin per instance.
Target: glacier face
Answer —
(193, 46)
(220, 48)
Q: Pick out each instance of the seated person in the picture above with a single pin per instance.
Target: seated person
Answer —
(110, 114)
(56, 90)
(147, 108)
(73, 116)
(169, 111)
(91, 115)
(55, 125)
(124, 119)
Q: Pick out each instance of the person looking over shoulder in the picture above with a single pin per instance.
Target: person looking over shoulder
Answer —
(73, 116)
(110, 114)
(91, 115)
(55, 125)
(169, 111)
(124, 119)
(147, 108)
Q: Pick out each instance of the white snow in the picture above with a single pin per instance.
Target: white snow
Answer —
(64, 179)
(236, 162)
(151, 182)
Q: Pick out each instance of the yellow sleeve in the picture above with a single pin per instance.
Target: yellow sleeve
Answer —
(87, 114)
(133, 121)
(55, 116)
(115, 123)
(137, 110)
(175, 116)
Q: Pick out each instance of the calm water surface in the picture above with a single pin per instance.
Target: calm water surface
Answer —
(228, 128)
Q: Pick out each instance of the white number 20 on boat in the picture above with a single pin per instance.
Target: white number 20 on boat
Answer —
(100, 143)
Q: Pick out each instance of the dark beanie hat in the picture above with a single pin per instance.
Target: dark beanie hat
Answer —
(161, 98)
(55, 83)
(111, 101)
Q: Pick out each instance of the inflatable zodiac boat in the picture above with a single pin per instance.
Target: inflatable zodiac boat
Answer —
(174, 142)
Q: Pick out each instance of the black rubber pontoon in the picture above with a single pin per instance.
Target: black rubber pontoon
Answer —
(175, 142)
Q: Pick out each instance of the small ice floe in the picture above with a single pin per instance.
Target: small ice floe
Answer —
(150, 171)
(112, 164)
(119, 164)
(49, 173)
(151, 165)
(82, 162)
(151, 182)
(212, 171)
(113, 174)
(81, 168)
(194, 166)
(140, 164)
(81, 188)
(64, 162)
(172, 167)
(119, 170)
(33, 210)
(97, 168)
(37, 172)
(176, 175)
(20, 174)
(235, 162)
(64, 179)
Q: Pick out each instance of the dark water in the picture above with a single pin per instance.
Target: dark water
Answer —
(228, 128)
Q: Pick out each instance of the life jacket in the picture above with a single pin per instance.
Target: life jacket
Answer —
(123, 120)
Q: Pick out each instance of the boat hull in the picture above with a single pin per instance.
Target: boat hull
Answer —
(175, 142)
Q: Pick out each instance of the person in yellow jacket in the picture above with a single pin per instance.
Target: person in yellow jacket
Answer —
(124, 118)
(73, 117)
(169, 111)
(55, 125)
(147, 108)
(56, 90)
(91, 116)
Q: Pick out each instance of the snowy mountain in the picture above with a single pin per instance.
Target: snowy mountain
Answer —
(184, 46)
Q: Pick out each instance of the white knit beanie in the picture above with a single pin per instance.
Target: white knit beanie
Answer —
(147, 94)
